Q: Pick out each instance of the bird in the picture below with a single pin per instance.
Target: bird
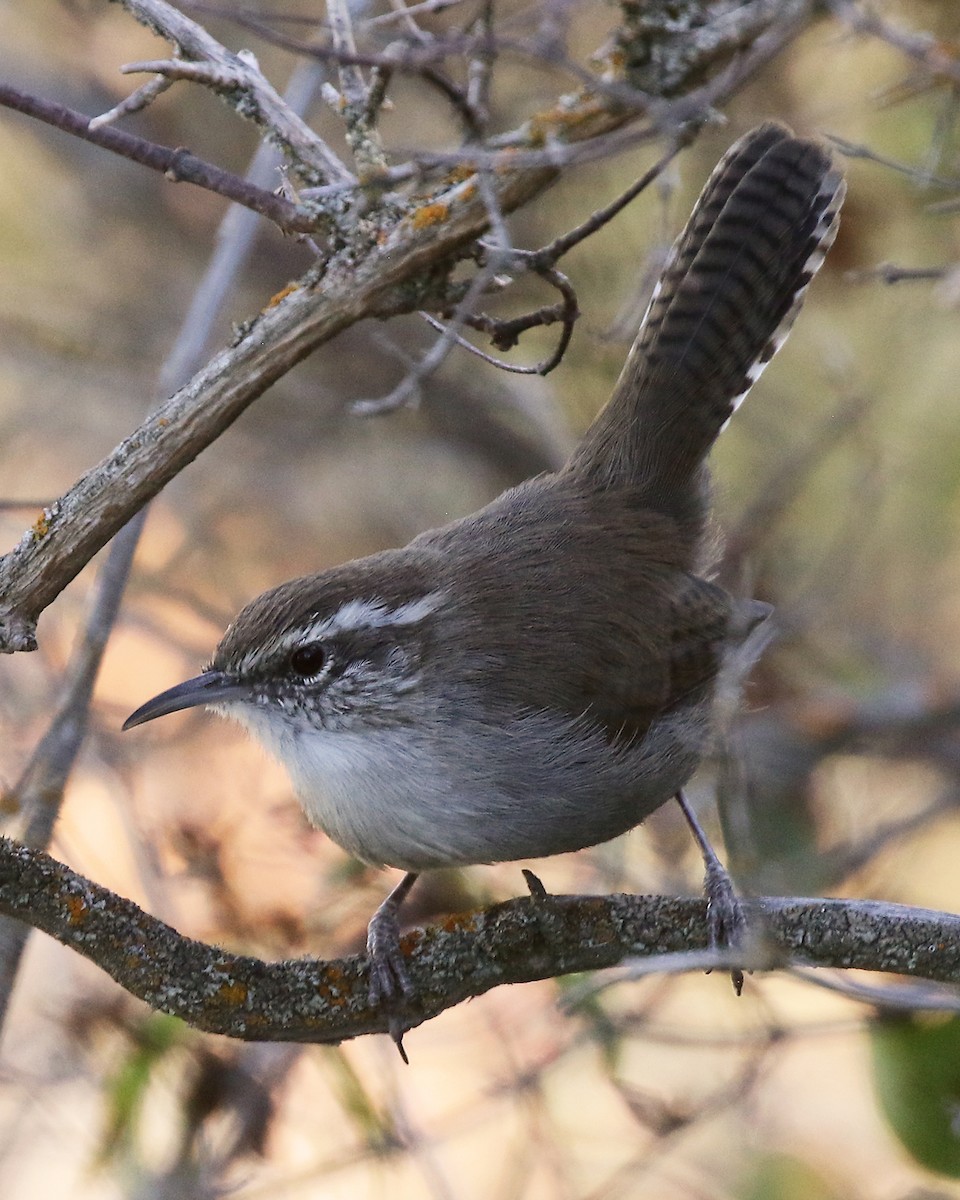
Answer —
(540, 676)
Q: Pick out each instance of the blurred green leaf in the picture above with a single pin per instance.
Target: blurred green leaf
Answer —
(916, 1070)
(376, 1128)
(125, 1089)
(779, 1177)
(607, 1035)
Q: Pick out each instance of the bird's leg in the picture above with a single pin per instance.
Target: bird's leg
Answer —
(725, 918)
(389, 979)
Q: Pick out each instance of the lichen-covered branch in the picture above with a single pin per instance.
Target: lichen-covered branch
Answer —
(390, 258)
(243, 85)
(307, 1000)
(391, 275)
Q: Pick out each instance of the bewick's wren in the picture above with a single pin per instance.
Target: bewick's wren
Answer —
(540, 676)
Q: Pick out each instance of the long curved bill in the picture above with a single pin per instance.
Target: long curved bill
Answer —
(212, 687)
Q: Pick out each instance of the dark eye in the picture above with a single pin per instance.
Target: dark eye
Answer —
(308, 660)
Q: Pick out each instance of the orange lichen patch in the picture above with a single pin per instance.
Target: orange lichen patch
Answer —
(562, 118)
(77, 908)
(281, 295)
(460, 921)
(41, 527)
(460, 173)
(411, 940)
(430, 214)
(333, 985)
(334, 977)
(334, 998)
(233, 994)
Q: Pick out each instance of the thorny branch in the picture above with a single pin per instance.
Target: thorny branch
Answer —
(307, 1000)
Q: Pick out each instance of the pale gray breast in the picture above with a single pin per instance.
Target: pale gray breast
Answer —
(462, 791)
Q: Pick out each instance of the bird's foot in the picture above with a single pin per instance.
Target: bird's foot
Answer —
(390, 986)
(726, 920)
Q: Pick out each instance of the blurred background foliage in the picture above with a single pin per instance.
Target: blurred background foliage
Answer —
(838, 492)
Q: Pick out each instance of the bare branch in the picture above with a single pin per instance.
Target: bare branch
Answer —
(249, 93)
(504, 334)
(359, 111)
(548, 255)
(406, 12)
(890, 273)
(919, 175)
(135, 102)
(39, 792)
(923, 48)
(356, 283)
(341, 30)
(179, 166)
(464, 344)
(408, 390)
(388, 251)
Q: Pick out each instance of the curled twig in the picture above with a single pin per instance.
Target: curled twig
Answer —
(505, 334)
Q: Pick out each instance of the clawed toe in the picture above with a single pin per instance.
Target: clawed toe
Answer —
(389, 977)
(726, 921)
(390, 986)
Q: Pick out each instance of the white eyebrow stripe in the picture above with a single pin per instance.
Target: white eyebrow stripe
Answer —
(372, 614)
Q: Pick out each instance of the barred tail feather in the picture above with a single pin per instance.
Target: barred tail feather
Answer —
(728, 296)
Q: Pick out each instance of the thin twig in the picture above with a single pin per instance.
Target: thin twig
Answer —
(549, 254)
(345, 48)
(135, 102)
(177, 165)
(361, 106)
(504, 334)
(457, 98)
(480, 68)
(216, 76)
(891, 273)
(253, 97)
(407, 392)
(40, 791)
(918, 174)
(924, 48)
(407, 12)
(888, 997)
(465, 344)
